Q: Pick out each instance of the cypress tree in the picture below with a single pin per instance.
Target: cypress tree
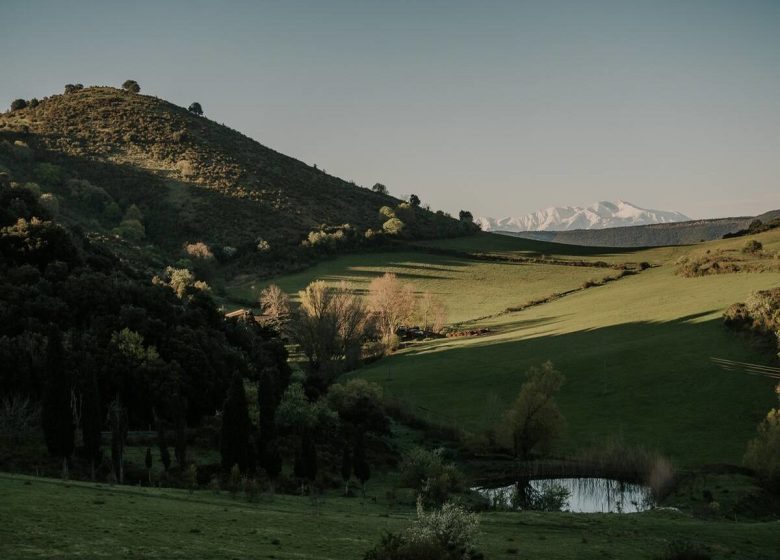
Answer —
(56, 413)
(346, 468)
(236, 427)
(272, 461)
(360, 464)
(91, 424)
(148, 463)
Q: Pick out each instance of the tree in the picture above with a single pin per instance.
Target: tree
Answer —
(131, 86)
(392, 304)
(393, 226)
(346, 467)
(148, 464)
(275, 304)
(56, 413)
(414, 200)
(18, 104)
(379, 188)
(72, 88)
(236, 427)
(465, 216)
(763, 452)
(432, 313)
(196, 109)
(117, 423)
(330, 323)
(92, 423)
(360, 464)
(534, 421)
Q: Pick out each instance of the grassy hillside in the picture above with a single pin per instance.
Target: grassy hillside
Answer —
(160, 523)
(192, 178)
(469, 288)
(636, 352)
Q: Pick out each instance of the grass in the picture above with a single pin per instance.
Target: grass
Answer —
(636, 353)
(469, 288)
(39, 521)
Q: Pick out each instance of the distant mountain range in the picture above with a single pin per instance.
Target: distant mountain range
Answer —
(679, 233)
(600, 215)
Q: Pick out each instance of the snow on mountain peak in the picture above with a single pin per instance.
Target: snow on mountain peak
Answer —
(599, 215)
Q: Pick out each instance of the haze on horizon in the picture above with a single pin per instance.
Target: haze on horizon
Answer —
(501, 108)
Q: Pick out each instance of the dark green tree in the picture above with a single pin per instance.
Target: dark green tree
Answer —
(379, 188)
(148, 464)
(346, 468)
(236, 427)
(360, 464)
(414, 200)
(56, 413)
(131, 86)
(118, 424)
(196, 109)
(18, 104)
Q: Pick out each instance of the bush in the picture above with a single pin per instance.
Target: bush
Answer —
(443, 534)
(18, 104)
(426, 472)
(196, 109)
(763, 452)
(683, 550)
(752, 247)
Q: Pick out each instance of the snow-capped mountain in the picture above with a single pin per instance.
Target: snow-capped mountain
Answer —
(599, 215)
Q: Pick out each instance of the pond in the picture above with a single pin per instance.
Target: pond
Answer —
(585, 495)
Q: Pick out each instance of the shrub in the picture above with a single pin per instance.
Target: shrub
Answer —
(763, 452)
(195, 108)
(18, 104)
(199, 250)
(683, 550)
(426, 472)
(379, 188)
(393, 226)
(443, 534)
(752, 247)
(34, 102)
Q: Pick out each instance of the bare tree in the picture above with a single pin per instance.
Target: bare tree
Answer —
(392, 304)
(352, 319)
(275, 304)
(432, 313)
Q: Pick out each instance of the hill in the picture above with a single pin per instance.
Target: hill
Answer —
(635, 352)
(652, 235)
(191, 178)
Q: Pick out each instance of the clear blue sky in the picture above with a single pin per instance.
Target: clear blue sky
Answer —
(498, 107)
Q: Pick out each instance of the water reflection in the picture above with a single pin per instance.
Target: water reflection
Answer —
(585, 495)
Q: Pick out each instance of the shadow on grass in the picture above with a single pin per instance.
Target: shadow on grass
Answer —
(652, 382)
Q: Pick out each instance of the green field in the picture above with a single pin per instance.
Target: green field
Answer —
(636, 352)
(39, 521)
(469, 288)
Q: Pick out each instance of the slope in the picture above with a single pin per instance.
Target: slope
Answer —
(192, 178)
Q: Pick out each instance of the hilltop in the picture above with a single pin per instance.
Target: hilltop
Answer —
(191, 178)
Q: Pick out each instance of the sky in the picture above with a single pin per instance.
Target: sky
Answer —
(498, 107)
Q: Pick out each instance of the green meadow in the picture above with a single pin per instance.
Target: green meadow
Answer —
(469, 288)
(39, 521)
(635, 352)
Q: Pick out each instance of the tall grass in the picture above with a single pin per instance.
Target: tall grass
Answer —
(614, 458)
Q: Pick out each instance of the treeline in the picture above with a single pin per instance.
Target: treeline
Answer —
(100, 347)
